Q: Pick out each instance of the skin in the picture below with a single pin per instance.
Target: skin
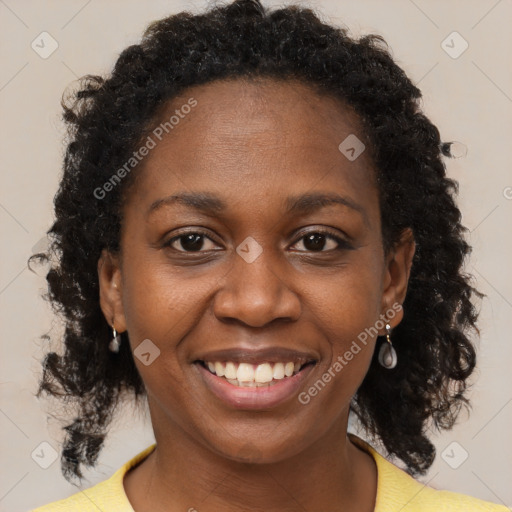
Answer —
(253, 144)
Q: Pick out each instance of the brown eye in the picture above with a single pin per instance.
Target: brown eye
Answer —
(318, 241)
(189, 242)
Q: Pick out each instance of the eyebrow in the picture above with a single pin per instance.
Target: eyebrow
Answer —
(295, 205)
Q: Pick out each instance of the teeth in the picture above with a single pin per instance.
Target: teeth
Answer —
(263, 373)
(219, 369)
(251, 384)
(279, 371)
(251, 375)
(288, 369)
(230, 371)
(245, 372)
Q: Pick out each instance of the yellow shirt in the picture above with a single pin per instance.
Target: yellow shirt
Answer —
(396, 491)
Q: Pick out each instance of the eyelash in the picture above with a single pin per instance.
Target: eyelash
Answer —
(342, 244)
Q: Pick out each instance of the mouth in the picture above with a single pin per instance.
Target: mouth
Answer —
(244, 379)
(252, 375)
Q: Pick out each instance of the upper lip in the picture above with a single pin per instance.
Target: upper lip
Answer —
(258, 356)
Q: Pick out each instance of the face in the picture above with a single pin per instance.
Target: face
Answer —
(231, 263)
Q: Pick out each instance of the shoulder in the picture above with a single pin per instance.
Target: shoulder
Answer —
(427, 499)
(397, 490)
(434, 500)
(107, 495)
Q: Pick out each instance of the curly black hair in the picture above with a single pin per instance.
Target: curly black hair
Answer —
(107, 118)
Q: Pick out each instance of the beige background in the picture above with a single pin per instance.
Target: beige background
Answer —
(469, 98)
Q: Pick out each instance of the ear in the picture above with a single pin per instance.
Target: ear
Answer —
(396, 277)
(109, 276)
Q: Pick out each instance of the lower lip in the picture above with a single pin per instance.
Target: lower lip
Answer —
(254, 398)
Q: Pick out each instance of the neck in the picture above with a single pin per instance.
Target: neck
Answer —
(181, 474)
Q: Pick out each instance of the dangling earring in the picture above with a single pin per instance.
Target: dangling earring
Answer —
(387, 353)
(116, 340)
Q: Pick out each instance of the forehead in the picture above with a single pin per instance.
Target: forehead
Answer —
(258, 138)
(288, 112)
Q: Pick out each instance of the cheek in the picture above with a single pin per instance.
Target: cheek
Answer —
(347, 312)
(159, 302)
(350, 299)
(160, 305)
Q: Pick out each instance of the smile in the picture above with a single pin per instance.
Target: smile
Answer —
(253, 375)
(253, 386)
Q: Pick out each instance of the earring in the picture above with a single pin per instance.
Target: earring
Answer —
(116, 340)
(387, 353)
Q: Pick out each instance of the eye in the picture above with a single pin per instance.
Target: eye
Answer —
(192, 241)
(316, 241)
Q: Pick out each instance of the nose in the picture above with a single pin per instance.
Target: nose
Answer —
(256, 293)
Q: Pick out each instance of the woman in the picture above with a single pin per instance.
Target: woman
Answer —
(254, 230)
